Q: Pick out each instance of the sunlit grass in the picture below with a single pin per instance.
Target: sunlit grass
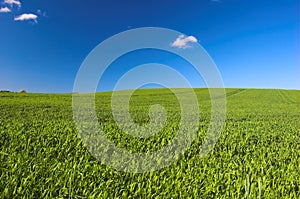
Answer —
(257, 155)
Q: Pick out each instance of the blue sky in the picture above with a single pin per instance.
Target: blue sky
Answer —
(255, 43)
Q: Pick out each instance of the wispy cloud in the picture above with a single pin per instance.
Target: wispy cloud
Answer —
(183, 41)
(41, 13)
(5, 9)
(13, 2)
(25, 16)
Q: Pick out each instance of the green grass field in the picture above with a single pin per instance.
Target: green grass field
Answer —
(257, 155)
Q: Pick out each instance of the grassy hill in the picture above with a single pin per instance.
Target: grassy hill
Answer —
(257, 154)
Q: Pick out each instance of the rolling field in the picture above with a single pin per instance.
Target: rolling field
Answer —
(256, 156)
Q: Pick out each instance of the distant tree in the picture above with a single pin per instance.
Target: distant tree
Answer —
(5, 91)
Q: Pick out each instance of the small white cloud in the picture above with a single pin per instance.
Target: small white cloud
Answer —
(41, 13)
(12, 2)
(5, 9)
(183, 42)
(25, 16)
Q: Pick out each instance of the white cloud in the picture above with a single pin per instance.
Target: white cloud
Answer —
(12, 2)
(41, 13)
(5, 9)
(23, 17)
(183, 42)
